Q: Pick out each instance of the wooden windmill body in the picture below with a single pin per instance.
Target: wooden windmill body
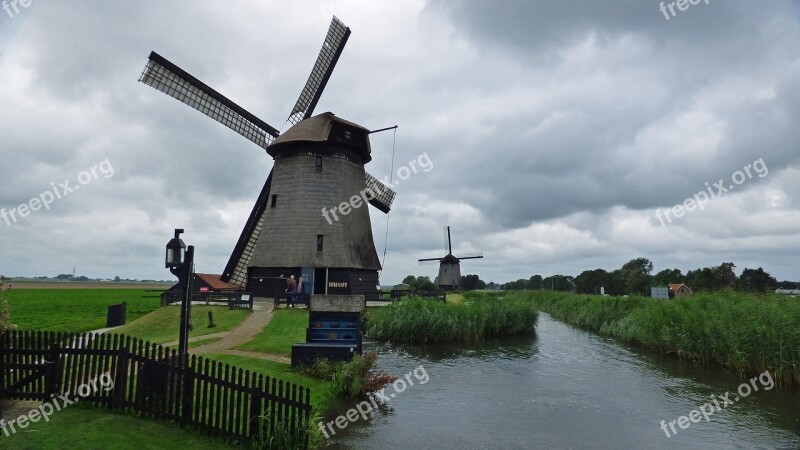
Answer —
(318, 166)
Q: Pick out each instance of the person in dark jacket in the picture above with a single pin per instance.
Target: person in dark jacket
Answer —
(290, 289)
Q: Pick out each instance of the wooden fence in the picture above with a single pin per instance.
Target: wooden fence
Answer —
(150, 380)
(230, 297)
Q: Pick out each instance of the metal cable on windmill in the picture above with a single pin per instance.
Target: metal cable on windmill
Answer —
(391, 183)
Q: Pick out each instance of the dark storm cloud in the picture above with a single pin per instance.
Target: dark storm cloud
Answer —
(555, 128)
(681, 78)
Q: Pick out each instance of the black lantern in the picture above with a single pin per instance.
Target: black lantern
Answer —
(175, 251)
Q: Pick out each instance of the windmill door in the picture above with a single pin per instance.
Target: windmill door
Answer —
(308, 279)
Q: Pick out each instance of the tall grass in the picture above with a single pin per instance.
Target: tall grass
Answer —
(425, 321)
(276, 436)
(745, 333)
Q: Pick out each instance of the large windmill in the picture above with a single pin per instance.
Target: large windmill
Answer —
(318, 165)
(449, 277)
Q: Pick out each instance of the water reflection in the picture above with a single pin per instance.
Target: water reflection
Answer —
(510, 347)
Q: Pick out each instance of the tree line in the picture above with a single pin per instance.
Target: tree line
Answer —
(424, 283)
(635, 277)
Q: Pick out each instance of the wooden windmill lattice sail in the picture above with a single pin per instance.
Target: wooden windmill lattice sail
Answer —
(318, 163)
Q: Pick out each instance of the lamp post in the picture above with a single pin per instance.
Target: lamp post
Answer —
(180, 261)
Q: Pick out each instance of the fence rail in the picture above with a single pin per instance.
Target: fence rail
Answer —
(150, 380)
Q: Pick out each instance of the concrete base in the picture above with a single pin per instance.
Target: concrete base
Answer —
(337, 303)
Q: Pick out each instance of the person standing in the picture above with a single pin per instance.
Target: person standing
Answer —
(290, 289)
(300, 288)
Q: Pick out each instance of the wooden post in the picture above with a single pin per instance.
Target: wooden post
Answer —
(52, 372)
(187, 370)
(186, 303)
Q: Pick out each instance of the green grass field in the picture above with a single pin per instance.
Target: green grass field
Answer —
(455, 299)
(87, 427)
(288, 326)
(162, 325)
(75, 309)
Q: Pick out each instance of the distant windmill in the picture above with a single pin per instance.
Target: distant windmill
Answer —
(449, 277)
(318, 165)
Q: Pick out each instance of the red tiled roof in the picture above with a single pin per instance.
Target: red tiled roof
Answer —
(675, 287)
(214, 281)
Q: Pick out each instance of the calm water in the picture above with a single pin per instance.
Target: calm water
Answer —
(565, 388)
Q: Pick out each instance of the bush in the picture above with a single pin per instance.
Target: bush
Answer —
(353, 379)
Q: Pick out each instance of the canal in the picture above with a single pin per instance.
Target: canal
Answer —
(565, 388)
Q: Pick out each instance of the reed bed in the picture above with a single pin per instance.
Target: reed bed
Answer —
(745, 333)
(479, 317)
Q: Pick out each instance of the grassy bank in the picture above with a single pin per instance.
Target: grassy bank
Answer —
(477, 318)
(88, 427)
(287, 327)
(322, 397)
(75, 309)
(745, 333)
(162, 325)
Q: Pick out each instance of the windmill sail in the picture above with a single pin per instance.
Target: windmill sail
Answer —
(332, 48)
(177, 83)
(382, 195)
(236, 270)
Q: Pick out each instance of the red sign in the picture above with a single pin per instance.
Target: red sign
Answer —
(204, 289)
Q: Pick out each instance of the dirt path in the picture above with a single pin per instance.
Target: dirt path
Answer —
(242, 334)
(204, 337)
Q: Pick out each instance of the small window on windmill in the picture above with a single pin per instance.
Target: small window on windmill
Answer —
(273, 200)
(347, 134)
(319, 163)
(319, 242)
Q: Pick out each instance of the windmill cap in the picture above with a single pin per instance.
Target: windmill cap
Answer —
(325, 128)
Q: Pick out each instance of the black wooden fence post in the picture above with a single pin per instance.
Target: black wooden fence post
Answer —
(121, 372)
(187, 371)
(255, 391)
(52, 372)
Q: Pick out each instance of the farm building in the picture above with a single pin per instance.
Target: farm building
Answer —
(203, 286)
(680, 290)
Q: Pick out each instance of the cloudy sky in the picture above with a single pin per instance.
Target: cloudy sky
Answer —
(556, 130)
